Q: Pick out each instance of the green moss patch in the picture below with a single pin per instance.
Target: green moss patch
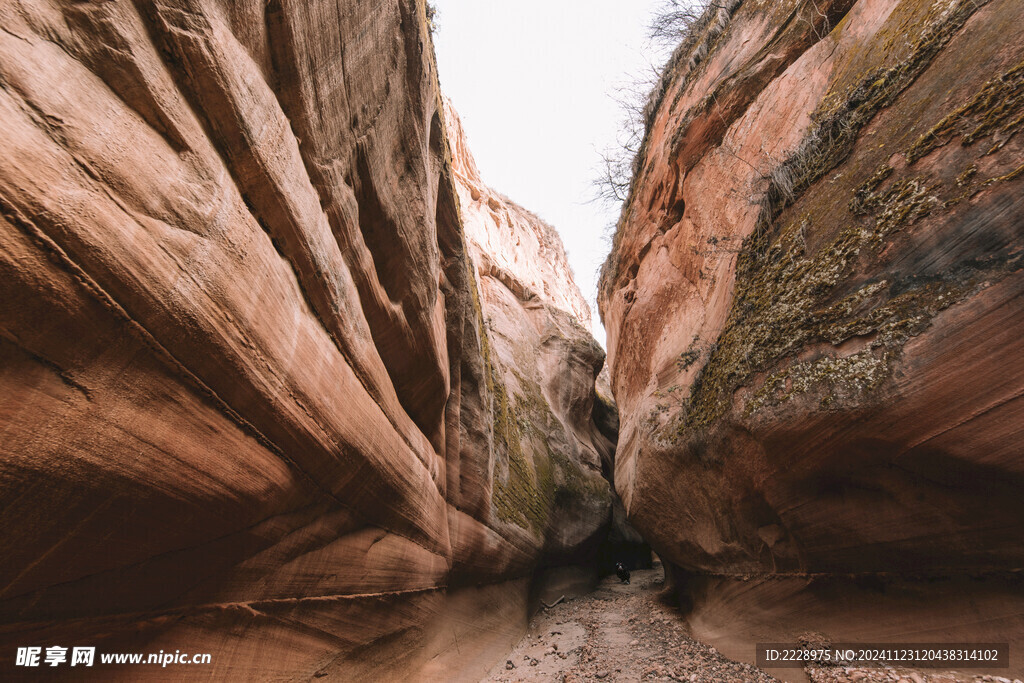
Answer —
(997, 108)
(521, 497)
(791, 294)
(854, 376)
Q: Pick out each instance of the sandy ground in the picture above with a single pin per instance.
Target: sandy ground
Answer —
(900, 675)
(618, 633)
(633, 633)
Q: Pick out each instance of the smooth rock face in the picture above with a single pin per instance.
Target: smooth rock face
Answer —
(508, 241)
(543, 363)
(249, 402)
(814, 306)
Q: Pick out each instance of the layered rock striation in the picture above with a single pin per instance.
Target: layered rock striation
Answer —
(542, 364)
(814, 305)
(254, 400)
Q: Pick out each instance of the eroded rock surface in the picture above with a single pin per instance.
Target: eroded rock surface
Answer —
(543, 364)
(814, 304)
(250, 401)
(509, 241)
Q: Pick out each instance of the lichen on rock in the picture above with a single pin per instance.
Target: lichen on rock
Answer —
(815, 295)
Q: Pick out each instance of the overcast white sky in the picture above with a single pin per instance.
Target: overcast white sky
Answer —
(531, 80)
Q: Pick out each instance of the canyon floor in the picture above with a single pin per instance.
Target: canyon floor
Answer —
(620, 632)
(631, 632)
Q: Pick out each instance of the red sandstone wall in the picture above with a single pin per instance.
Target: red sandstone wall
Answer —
(814, 305)
(245, 392)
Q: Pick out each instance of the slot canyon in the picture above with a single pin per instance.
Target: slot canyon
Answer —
(284, 380)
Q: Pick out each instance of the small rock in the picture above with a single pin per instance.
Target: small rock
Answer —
(634, 642)
(509, 665)
(601, 674)
(917, 678)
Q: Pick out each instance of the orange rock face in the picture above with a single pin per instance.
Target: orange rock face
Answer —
(814, 304)
(249, 399)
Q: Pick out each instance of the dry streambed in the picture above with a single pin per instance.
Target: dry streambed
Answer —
(618, 633)
(632, 633)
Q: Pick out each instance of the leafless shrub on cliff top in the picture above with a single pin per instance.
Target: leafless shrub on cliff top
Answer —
(617, 163)
(673, 20)
(666, 28)
(678, 29)
(432, 18)
(691, 26)
(688, 29)
(615, 174)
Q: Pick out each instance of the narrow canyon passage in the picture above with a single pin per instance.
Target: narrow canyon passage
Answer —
(286, 385)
